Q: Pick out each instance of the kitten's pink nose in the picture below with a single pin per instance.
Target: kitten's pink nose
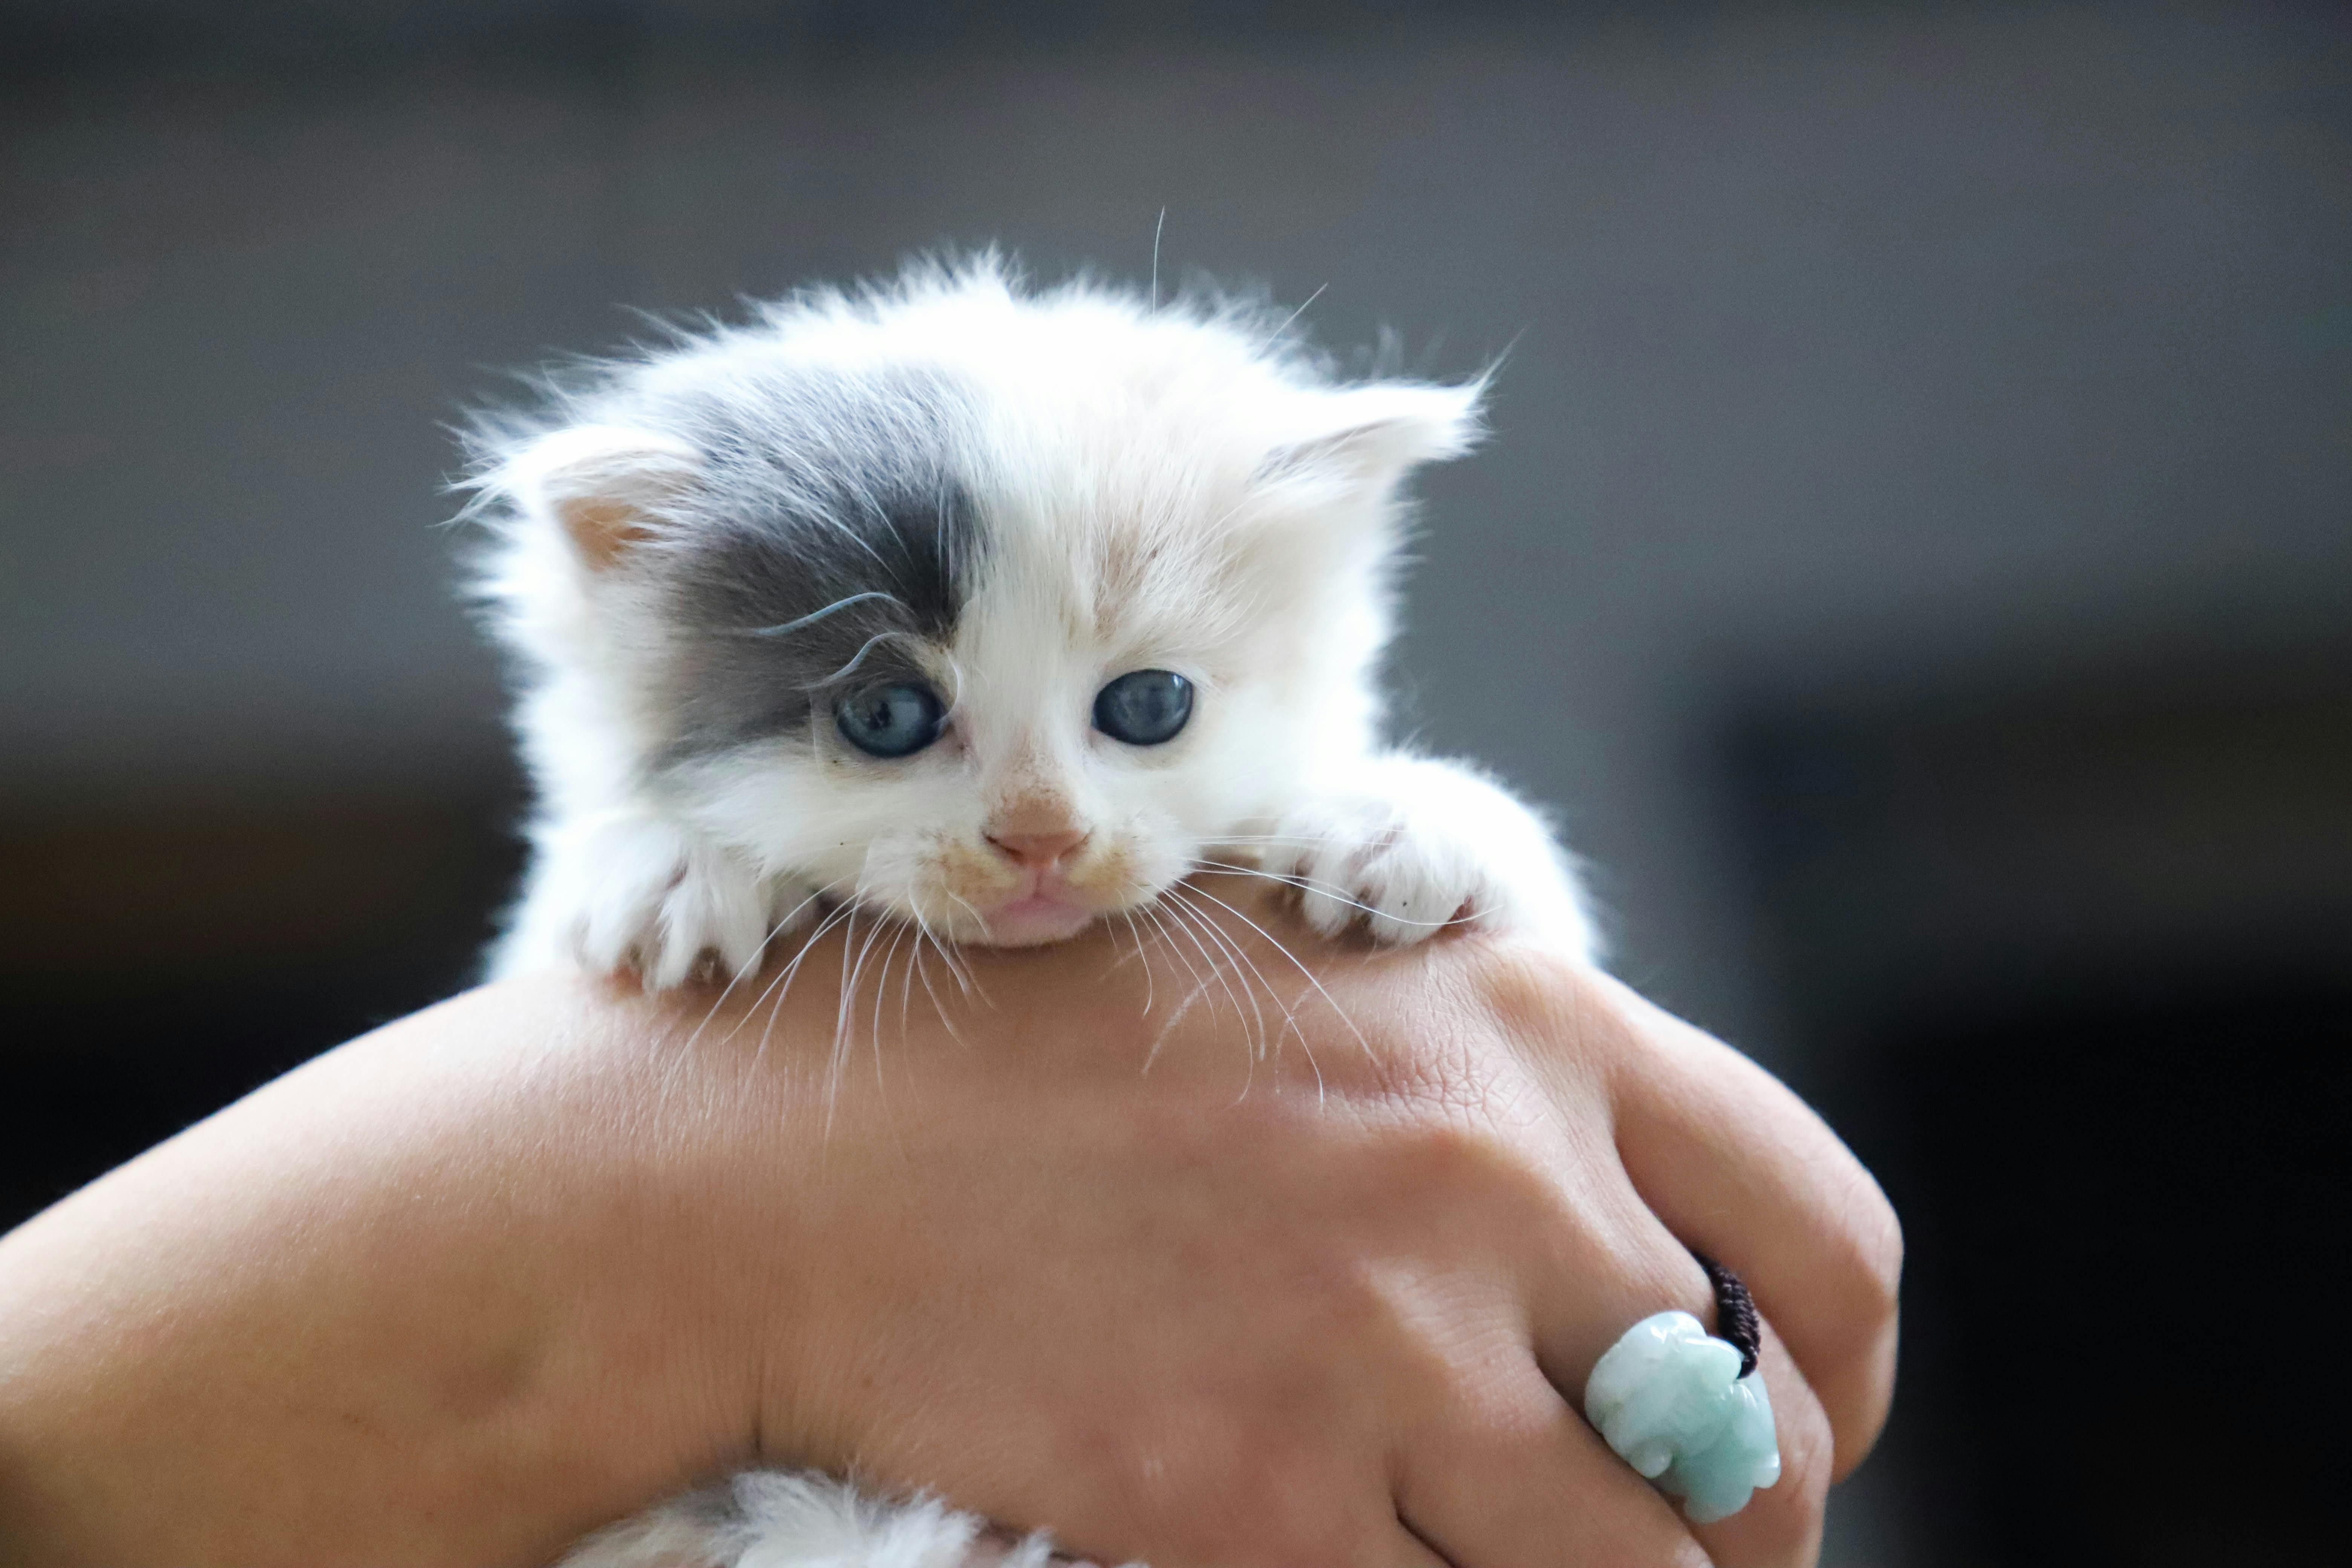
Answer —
(1043, 851)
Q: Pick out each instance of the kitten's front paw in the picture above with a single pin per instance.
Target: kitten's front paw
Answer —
(642, 896)
(1359, 858)
(1428, 846)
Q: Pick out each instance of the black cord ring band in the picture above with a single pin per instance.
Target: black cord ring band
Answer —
(1735, 1313)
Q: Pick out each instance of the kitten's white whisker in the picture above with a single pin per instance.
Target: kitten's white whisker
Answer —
(836, 1059)
(946, 1021)
(779, 986)
(1250, 1054)
(1225, 947)
(1177, 922)
(955, 685)
(1329, 889)
(844, 912)
(923, 974)
(1270, 837)
(855, 659)
(1176, 1014)
(966, 978)
(867, 499)
(1292, 320)
(881, 999)
(815, 615)
(845, 1019)
(1157, 230)
(906, 981)
(923, 929)
(1184, 1006)
(981, 920)
(845, 1024)
(1289, 1018)
(1279, 947)
(959, 968)
(1224, 838)
(1193, 921)
(1172, 922)
(819, 614)
(759, 956)
(783, 982)
(1151, 988)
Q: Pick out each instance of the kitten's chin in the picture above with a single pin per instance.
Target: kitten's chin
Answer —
(1032, 922)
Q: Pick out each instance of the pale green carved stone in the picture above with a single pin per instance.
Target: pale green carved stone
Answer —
(1671, 1402)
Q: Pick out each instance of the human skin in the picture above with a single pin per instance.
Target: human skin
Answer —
(1288, 1267)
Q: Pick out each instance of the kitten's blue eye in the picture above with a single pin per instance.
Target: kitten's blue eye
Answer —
(1144, 707)
(890, 721)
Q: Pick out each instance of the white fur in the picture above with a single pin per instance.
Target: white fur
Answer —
(1179, 487)
(766, 1519)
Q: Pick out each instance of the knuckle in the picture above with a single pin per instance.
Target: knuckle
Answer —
(1472, 1158)
(1867, 1282)
(1882, 1254)
(1285, 1511)
(1539, 996)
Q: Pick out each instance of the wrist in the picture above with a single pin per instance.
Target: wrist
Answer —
(378, 1312)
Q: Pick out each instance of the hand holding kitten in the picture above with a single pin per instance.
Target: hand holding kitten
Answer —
(979, 616)
(521, 1263)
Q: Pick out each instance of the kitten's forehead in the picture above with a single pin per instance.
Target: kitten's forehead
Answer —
(955, 481)
(1123, 465)
(849, 518)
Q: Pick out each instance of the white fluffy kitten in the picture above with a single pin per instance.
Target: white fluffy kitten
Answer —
(996, 611)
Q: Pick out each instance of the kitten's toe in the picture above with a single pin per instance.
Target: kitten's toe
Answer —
(1322, 855)
(712, 918)
(1327, 911)
(618, 895)
(645, 899)
(1324, 877)
(1415, 884)
(1363, 865)
(1418, 890)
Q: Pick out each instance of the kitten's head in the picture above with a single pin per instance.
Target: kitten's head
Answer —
(994, 609)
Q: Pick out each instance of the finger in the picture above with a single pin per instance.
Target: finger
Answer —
(1592, 1260)
(1738, 1168)
(1521, 1481)
(1647, 1269)
(1781, 1524)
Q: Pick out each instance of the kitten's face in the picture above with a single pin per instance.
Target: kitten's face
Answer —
(1004, 622)
(1010, 781)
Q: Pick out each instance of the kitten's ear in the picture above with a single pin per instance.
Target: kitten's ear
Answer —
(1366, 438)
(604, 485)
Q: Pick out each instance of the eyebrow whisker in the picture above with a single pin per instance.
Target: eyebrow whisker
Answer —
(815, 615)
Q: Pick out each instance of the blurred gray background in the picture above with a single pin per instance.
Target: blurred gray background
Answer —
(1914, 553)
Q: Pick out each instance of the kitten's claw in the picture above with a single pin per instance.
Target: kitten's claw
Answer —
(1358, 860)
(1429, 847)
(645, 898)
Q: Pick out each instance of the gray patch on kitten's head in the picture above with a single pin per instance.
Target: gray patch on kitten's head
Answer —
(831, 533)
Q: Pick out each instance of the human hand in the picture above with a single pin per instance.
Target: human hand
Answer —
(1315, 1307)
(526, 1262)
